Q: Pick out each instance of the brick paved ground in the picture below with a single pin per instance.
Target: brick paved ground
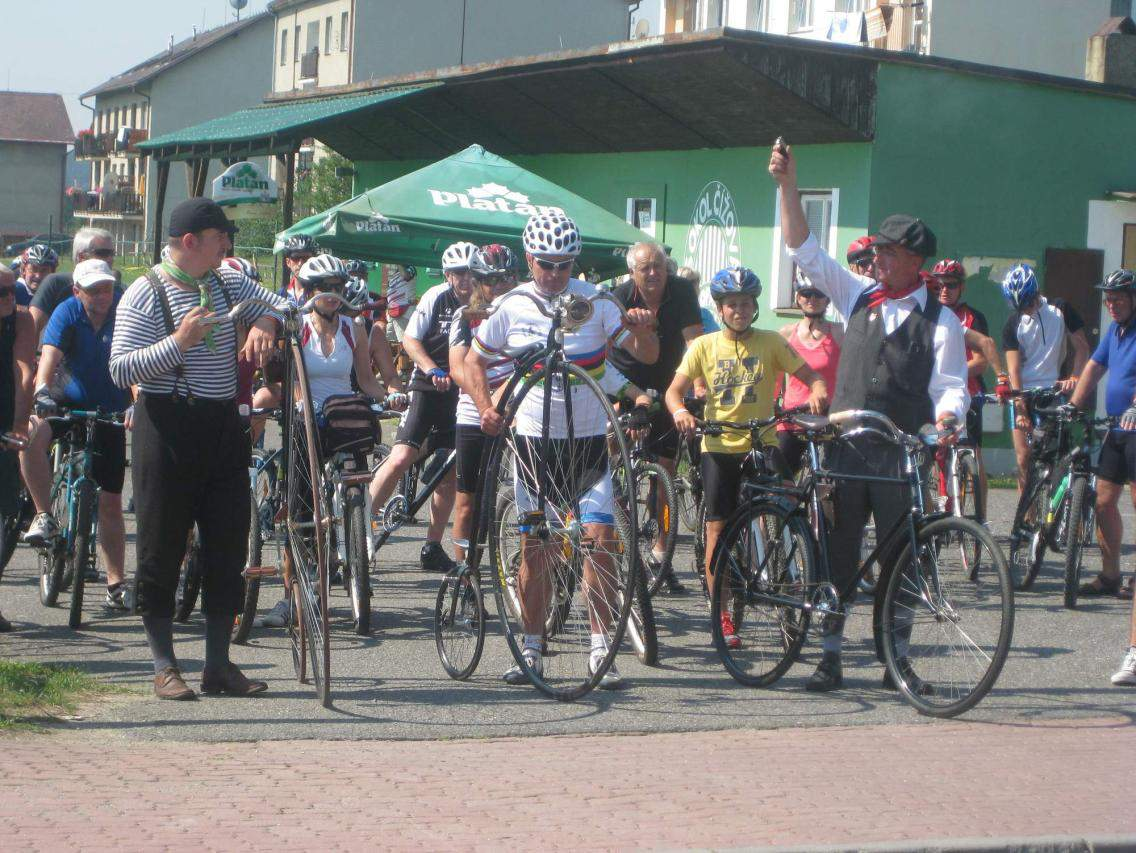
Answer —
(862, 784)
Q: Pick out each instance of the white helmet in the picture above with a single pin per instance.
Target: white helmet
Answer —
(356, 292)
(458, 256)
(242, 266)
(321, 269)
(551, 234)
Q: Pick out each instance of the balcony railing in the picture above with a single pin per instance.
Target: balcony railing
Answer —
(95, 145)
(113, 203)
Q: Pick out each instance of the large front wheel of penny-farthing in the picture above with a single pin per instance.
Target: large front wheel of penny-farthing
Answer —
(308, 536)
(563, 570)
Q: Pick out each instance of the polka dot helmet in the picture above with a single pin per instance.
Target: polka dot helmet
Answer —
(551, 234)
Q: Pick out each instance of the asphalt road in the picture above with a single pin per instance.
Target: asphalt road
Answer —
(391, 686)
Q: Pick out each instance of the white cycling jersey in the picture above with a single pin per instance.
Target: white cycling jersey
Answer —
(517, 323)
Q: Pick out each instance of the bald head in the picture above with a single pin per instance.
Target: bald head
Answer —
(648, 264)
(645, 252)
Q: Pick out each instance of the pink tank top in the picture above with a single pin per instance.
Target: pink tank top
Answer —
(823, 359)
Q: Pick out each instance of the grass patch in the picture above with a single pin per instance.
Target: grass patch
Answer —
(36, 690)
(1002, 482)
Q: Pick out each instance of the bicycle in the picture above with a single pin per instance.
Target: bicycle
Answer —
(583, 585)
(930, 617)
(267, 499)
(955, 487)
(425, 469)
(1030, 533)
(688, 478)
(65, 558)
(306, 530)
(401, 508)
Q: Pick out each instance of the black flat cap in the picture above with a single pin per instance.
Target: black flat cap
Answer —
(909, 232)
(196, 214)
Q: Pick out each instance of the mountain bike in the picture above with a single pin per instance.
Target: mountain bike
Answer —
(266, 501)
(65, 558)
(423, 472)
(400, 508)
(943, 633)
(11, 526)
(688, 477)
(551, 567)
(955, 487)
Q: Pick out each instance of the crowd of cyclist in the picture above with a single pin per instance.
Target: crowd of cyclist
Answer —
(878, 333)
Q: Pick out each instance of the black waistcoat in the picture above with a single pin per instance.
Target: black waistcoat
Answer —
(888, 373)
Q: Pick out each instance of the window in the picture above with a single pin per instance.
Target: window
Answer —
(800, 15)
(134, 115)
(1121, 9)
(821, 207)
(327, 36)
(313, 43)
(712, 14)
(344, 35)
(284, 46)
(296, 45)
(851, 6)
(641, 214)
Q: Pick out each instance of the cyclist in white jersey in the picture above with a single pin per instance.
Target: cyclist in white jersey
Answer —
(551, 244)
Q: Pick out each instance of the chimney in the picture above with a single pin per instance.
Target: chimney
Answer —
(195, 33)
(170, 48)
(1111, 56)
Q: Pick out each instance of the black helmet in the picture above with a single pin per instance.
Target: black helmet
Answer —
(1121, 281)
(355, 268)
(301, 244)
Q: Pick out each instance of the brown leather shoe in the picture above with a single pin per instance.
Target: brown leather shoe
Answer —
(232, 681)
(168, 684)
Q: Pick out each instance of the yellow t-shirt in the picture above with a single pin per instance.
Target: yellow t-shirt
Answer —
(742, 376)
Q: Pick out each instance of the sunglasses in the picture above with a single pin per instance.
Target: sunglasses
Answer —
(811, 294)
(554, 266)
(103, 253)
(5, 292)
(949, 285)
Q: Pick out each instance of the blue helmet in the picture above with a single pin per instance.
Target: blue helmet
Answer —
(733, 281)
(1020, 286)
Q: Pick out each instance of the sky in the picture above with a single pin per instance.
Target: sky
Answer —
(70, 46)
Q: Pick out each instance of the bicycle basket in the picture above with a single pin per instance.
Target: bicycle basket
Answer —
(349, 425)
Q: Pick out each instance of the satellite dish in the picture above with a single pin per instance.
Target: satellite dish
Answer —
(642, 27)
(238, 4)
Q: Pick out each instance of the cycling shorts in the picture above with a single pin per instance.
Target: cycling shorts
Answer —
(973, 425)
(108, 467)
(471, 446)
(1118, 458)
(721, 482)
(429, 412)
(664, 438)
(579, 478)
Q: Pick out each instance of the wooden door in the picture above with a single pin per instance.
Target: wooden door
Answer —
(1072, 274)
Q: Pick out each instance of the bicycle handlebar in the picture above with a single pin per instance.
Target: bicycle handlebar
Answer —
(564, 302)
(290, 310)
(12, 441)
(62, 413)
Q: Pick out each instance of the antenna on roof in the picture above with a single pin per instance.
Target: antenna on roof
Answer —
(238, 5)
(170, 48)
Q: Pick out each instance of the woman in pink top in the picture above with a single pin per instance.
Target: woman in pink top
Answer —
(818, 342)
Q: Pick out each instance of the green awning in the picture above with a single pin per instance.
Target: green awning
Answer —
(473, 195)
(268, 128)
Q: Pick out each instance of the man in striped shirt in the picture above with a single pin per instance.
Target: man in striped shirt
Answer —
(190, 452)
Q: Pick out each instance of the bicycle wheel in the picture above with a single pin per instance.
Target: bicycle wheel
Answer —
(189, 588)
(82, 552)
(10, 528)
(763, 568)
(553, 567)
(968, 500)
(53, 556)
(942, 630)
(1081, 500)
(408, 486)
(700, 551)
(355, 529)
(242, 625)
(459, 624)
(641, 628)
(686, 500)
(1039, 541)
(655, 503)
(307, 532)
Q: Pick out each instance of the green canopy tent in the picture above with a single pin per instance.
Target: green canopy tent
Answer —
(472, 195)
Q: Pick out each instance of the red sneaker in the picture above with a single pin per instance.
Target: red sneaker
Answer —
(729, 634)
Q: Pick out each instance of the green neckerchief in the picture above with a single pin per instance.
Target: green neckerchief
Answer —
(203, 286)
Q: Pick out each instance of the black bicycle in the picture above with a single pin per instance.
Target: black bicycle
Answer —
(66, 558)
(943, 634)
(11, 526)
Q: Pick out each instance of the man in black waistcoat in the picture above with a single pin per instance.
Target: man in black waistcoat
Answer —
(902, 356)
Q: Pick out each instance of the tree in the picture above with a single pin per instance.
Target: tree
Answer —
(319, 188)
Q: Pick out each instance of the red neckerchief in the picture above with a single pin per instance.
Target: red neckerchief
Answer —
(881, 294)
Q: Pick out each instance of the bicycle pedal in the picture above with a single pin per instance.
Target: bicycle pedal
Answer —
(252, 572)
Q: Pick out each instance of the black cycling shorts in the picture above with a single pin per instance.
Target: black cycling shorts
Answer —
(663, 439)
(1118, 458)
(721, 480)
(471, 445)
(429, 412)
(108, 468)
(973, 425)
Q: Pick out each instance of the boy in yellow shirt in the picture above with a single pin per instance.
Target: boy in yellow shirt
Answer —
(741, 366)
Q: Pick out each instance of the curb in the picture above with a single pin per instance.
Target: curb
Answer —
(1040, 844)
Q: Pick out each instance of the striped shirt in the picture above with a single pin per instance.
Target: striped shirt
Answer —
(142, 353)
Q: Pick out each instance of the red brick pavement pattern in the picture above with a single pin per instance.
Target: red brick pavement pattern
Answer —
(705, 789)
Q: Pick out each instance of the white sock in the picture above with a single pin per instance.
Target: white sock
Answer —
(599, 643)
(533, 642)
(658, 555)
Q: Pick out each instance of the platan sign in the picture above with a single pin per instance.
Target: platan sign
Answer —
(376, 223)
(492, 198)
(244, 183)
(712, 241)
